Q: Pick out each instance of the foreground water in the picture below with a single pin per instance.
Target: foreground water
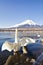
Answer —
(6, 36)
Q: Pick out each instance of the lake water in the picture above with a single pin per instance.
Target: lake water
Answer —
(6, 36)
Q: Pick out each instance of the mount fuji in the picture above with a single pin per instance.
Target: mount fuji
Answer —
(26, 24)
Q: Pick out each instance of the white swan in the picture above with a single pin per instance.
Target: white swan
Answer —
(15, 46)
(11, 46)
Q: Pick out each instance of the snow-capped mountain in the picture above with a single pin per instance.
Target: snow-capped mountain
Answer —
(26, 24)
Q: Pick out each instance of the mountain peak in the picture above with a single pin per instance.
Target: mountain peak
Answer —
(29, 22)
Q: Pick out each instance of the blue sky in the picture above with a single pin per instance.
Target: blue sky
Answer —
(16, 11)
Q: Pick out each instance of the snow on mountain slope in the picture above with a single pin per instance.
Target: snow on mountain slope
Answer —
(29, 22)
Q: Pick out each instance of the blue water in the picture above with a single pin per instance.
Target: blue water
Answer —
(6, 36)
(9, 36)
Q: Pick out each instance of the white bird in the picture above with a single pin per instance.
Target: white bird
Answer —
(15, 46)
(11, 46)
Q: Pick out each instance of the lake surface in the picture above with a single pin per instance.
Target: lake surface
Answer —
(6, 36)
